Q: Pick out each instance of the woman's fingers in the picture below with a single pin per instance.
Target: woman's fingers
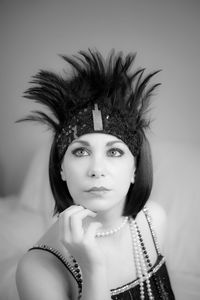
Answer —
(77, 234)
(76, 221)
(64, 221)
(71, 223)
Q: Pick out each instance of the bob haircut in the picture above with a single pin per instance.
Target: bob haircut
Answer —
(137, 195)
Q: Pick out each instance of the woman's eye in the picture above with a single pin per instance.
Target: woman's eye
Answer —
(115, 152)
(79, 152)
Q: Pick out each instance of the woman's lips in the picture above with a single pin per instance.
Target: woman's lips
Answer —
(98, 189)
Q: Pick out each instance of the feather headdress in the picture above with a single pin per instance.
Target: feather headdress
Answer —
(100, 95)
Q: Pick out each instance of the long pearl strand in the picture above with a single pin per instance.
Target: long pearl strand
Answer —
(137, 260)
(140, 261)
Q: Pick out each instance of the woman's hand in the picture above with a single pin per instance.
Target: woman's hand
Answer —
(80, 241)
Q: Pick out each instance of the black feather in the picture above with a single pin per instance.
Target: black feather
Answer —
(93, 78)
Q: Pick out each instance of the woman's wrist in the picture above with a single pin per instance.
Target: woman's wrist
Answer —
(95, 284)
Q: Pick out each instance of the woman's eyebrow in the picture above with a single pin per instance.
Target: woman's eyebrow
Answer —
(85, 143)
(111, 143)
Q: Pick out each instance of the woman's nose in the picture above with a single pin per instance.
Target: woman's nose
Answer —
(96, 173)
(97, 168)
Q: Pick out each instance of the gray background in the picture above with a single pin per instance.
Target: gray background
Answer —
(165, 34)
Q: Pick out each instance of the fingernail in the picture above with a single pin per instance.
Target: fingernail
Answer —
(94, 214)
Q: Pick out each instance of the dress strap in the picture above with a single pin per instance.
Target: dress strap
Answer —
(149, 221)
(70, 263)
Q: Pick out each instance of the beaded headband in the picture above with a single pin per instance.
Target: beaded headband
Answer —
(97, 119)
(100, 95)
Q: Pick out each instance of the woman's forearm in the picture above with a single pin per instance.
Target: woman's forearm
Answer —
(95, 285)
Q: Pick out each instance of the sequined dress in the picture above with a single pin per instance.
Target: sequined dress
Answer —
(158, 275)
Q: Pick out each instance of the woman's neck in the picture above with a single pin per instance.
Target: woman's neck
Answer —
(109, 219)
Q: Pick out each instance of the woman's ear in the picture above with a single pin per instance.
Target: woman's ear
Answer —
(62, 175)
(133, 176)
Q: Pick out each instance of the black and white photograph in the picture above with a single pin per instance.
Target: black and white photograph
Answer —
(100, 150)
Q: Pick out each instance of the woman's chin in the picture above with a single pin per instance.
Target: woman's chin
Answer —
(100, 205)
(96, 205)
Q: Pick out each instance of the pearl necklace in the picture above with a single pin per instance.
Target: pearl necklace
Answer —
(112, 231)
(140, 261)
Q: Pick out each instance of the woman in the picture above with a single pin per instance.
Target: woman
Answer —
(103, 245)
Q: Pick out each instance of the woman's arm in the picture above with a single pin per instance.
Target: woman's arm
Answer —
(40, 276)
(95, 285)
(82, 244)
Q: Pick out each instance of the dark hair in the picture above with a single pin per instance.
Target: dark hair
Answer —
(138, 193)
(140, 190)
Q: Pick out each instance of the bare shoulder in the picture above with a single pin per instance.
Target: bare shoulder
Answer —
(156, 211)
(159, 220)
(40, 276)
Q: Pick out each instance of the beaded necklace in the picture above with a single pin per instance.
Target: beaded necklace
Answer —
(141, 260)
(140, 255)
(112, 231)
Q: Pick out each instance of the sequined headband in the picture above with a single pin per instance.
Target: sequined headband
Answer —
(97, 118)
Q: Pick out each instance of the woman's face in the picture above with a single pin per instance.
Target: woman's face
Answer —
(98, 169)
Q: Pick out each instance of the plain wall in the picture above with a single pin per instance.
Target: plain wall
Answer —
(165, 34)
